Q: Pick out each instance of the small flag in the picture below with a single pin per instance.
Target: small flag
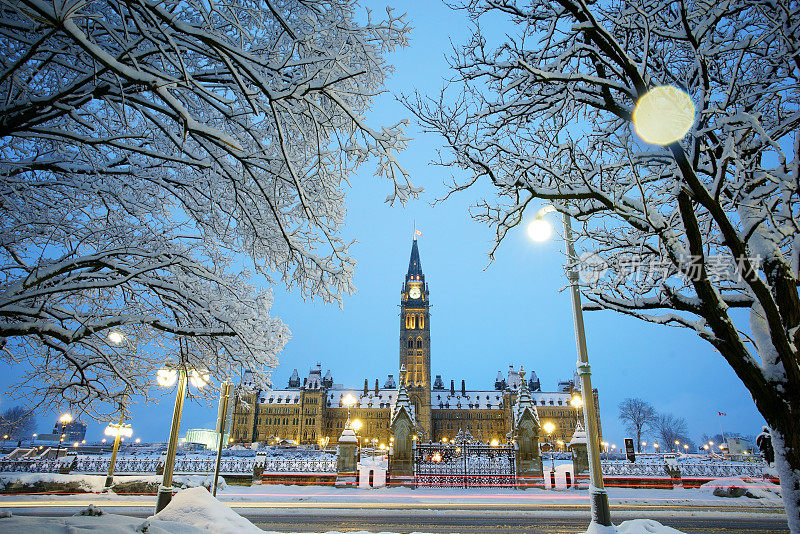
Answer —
(417, 232)
(722, 413)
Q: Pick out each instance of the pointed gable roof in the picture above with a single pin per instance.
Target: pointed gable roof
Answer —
(403, 403)
(524, 401)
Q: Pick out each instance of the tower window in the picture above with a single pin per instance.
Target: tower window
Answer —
(419, 342)
(421, 320)
(410, 343)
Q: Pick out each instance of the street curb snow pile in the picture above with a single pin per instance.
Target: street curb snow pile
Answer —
(198, 508)
(743, 487)
(634, 526)
(94, 522)
(80, 483)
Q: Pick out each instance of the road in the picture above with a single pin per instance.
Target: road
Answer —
(544, 519)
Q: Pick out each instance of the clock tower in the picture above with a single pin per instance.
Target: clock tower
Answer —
(415, 340)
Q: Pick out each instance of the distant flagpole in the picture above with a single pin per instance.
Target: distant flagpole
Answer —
(720, 414)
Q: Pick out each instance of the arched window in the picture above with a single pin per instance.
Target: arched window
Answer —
(408, 320)
(413, 321)
(410, 343)
(421, 320)
(419, 342)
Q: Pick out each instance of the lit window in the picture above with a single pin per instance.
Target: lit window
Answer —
(419, 342)
(421, 320)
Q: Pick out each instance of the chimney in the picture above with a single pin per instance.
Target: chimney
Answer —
(463, 389)
(366, 387)
(453, 388)
(376, 386)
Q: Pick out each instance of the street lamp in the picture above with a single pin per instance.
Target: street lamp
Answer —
(655, 447)
(167, 377)
(599, 496)
(549, 427)
(577, 403)
(117, 431)
(644, 446)
(348, 400)
(65, 419)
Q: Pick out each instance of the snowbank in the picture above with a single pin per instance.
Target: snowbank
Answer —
(743, 487)
(102, 524)
(635, 526)
(79, 483)
(198, 508)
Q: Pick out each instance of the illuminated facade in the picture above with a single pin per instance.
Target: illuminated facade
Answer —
(313, 411)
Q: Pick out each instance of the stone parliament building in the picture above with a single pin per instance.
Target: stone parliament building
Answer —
(312, 411)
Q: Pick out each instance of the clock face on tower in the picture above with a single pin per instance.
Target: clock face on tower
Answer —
(414, 292)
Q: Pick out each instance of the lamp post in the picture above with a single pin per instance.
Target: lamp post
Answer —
(118, 431)
(349, 401)
(540, 230)
(166, 378)
(577, 403)
(65, 419)
(548, 429)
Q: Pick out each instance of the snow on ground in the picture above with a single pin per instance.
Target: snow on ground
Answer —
(634, 526)
(96, 483)
(744, 487)
(197, 507)
(196, 511)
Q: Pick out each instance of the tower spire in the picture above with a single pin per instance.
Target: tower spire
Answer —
(414, 264)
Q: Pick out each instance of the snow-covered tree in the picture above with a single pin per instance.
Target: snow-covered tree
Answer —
(154, 154)
(638, 416)
(688, 234)
(17, 423)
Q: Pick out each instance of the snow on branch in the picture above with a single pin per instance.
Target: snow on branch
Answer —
(143, 144)
(674, 235)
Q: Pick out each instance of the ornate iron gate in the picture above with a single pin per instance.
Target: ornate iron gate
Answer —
(464, 465)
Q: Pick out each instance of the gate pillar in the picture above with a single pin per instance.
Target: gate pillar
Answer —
(346, 458)
(402, 462)
(580, 458)
(526, 435)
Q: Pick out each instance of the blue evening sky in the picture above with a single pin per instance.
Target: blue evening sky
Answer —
(485, 317)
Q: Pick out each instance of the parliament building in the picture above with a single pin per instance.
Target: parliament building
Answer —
(312, 410)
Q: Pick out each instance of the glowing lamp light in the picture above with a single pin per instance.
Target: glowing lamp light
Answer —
(166, 377)
(113, 429)
(137, 440)
(576, 402)
(198, 379)
(116, 337)
(539, 230)
(349, 400)
(549, 427)
(495, 443)
(356, 424)
(444, 440)
(436, 457)
(65, 419)
(76, 444)
(663, 115)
